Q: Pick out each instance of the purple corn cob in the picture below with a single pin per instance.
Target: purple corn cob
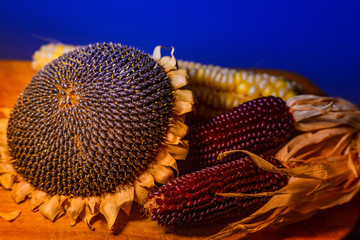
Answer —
(257, 126)
(192, 199)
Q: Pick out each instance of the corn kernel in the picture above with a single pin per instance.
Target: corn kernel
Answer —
(280, 83)
(237, 79)
(265, 76)
(258, 78)
(236, 102)
(250, 78)
(282, 92)
(213, 81)
(224, 81)
(207, 75)
(230, 82)
(289, 95)
(199, 76)
(268, 90)
(192, 73)
(244, 75)
(222, 99)
(198, 94)
(229, 102)
(273, 79)
(253, 92)
(263, 84)
(215, 101)
(243, 88)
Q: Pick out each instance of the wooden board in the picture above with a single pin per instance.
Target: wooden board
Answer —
(334, 223)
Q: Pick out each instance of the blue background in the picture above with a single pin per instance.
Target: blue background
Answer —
(318, 39)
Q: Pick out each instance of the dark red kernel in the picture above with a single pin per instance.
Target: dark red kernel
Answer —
(199, 201)
(159, 201)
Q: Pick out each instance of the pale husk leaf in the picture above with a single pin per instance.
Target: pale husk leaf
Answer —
(313, 112)
(302, 195)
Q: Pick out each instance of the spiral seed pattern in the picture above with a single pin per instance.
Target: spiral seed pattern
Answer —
(91, 120)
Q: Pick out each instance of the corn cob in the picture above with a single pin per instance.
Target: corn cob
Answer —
(49, 52)
(192, 198)
(257, 126)
(220, 89)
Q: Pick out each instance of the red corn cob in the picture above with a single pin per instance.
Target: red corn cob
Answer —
(257, 126)
(191, 198)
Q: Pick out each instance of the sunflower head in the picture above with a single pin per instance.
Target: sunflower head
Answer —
(98, 120)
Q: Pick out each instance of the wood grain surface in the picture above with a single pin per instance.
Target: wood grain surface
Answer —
(334, 223)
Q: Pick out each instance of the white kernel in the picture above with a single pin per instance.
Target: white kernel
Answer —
(236, 102)
(265, 75)
(223, 81)
(263, 84)
(258, 78)
(213, 73)
(251, 78)
(253, 91)
(192, 73)
(282, 92)
(207, 74)
(244, 75)
(288, 85)
(230, 82)
(273, 79)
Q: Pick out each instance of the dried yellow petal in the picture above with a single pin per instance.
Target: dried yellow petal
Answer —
(52, 208)
(146, 179)
(74, 208)
(7, 180)
(112, 203)
(10, 216)
(21, 190)
(37, 198)
(161, 173)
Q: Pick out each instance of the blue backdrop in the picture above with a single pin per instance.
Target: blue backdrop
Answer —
(318, 39)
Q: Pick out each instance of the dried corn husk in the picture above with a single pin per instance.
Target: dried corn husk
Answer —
(322, 162)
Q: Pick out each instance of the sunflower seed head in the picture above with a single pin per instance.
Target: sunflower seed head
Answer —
(90, 121)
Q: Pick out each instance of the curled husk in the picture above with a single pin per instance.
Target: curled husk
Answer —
(161, 170)
(322, 162)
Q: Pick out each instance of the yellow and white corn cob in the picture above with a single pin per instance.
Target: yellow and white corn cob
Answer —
(220, 89)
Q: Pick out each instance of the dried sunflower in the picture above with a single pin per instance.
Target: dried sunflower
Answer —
(94, 130)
